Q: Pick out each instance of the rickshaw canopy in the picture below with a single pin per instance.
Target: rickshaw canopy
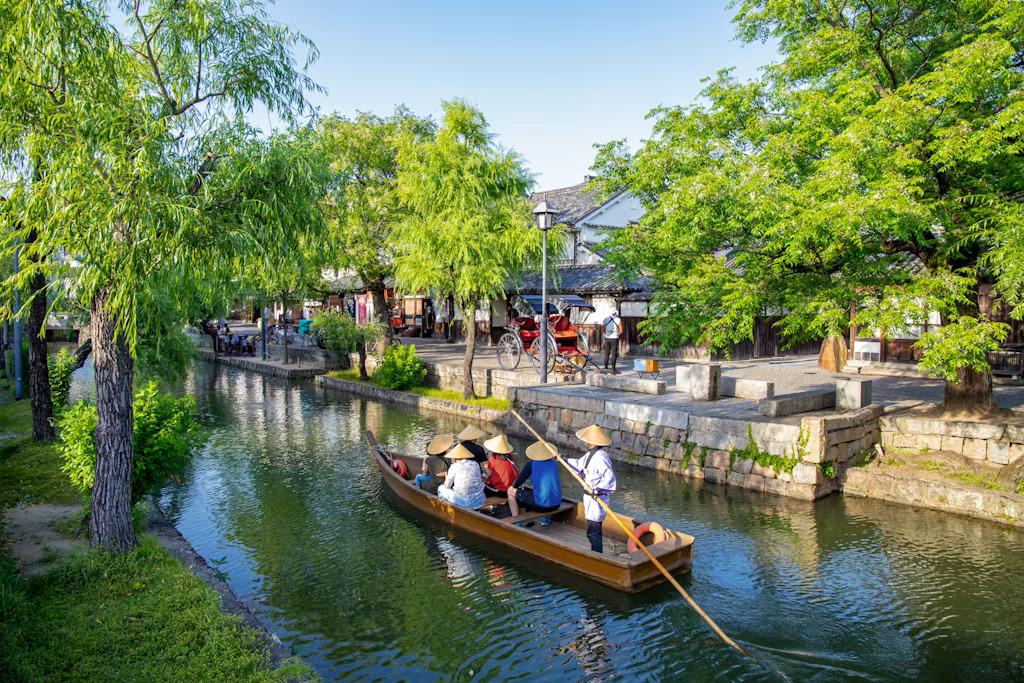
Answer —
(530, 304)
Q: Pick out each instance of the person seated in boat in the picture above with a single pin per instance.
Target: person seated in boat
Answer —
(502, 470)
(595, 468)
(435, 467)
(542, 470)
(463, 485)
(468, 437)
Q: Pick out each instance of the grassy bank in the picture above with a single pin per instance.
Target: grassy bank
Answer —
(135, 616)
(446, 394)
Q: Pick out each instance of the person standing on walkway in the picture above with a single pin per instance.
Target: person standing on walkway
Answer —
(595, 468)
(612, 332)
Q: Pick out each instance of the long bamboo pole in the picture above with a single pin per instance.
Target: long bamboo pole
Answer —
(661, 568)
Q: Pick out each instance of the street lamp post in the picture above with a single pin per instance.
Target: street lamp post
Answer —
(545, 220)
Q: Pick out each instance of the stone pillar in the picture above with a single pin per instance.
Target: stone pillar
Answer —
(705, 382)
(852, 394)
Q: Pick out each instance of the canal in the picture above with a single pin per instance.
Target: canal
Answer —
(285, 501)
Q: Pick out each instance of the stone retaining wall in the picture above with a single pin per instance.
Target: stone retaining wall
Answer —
(255, 365)
(788, 459)
(425, 402)
(998, 443)
(490, 382)
(907, 489)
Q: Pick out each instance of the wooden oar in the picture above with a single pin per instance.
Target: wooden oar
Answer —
(686, 596)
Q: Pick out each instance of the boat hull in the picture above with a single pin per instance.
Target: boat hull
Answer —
(631, 573)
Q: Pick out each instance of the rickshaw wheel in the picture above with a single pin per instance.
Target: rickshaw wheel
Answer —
(582, 344)
(510, 350)
(535, 354)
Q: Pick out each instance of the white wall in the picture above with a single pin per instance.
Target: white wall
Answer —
(619, 212)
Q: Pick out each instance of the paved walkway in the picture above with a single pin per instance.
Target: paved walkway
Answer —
(791, 374)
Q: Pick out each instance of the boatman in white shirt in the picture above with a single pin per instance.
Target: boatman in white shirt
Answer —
(595, 467)
(612, 331)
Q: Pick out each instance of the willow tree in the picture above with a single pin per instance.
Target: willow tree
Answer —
(876, 169)
(148, 173)
(362, 201)
(468, 231)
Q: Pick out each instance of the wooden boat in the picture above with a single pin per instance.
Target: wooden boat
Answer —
(563, 543)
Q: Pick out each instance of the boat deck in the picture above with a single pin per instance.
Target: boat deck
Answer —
(576, 537)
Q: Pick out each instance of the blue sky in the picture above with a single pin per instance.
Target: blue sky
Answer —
(552, 78)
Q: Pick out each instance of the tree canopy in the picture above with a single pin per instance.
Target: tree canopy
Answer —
(469, 229)
(123, 143)
(876, 168)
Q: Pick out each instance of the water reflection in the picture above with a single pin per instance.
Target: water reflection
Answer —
(366, 588)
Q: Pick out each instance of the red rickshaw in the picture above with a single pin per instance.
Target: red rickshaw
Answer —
(568, 350)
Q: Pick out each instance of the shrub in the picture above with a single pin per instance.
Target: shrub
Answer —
(166, 432)
(338, 330)
(61, 366)
(401, 368)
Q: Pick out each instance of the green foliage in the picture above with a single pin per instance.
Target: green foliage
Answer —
(362, 201)
(776, 463)
(828, 469)
(78, 444)
(1019, 488)
(134, 616)
(166, 432)
(688, 449)
(969, 477)
(875, 168)
(960, 344)
(340, 332)
(401, 368)
(61, 366)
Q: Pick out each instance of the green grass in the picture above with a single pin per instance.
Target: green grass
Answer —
(29, 471)
(969, 477)
(135, 616)
(502, 404)
(452, 395)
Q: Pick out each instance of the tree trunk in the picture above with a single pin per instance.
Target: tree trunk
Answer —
(362, 361)
(451, 320)
(110, 524)
(38, 368)
(8, 371)
(284, 323)
(382, 313)
(469, 327)
(971, 392)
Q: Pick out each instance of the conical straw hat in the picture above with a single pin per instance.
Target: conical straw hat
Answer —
(498, 444)
(440, 443)
(460, 452)
(541, 451)
(594, 435)
(471, 433)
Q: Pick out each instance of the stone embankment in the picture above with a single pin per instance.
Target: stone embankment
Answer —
(438, 405)
(999, 444)
(797, 457)
(909, 488)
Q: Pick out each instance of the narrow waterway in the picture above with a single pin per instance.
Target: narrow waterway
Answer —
(286, 502)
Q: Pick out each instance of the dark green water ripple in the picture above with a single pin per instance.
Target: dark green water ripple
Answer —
(285, 500)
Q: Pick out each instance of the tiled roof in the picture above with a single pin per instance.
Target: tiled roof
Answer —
(572, 203)
(584, 280)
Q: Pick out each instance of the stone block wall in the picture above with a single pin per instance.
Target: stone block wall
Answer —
(999, 444)
(440, 376)
(788, 458)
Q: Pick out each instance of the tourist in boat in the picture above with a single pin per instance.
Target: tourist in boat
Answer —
(542, 470)
(502, 470)
(463, 485)
(595, 467)
(468, 437)
(434, 465)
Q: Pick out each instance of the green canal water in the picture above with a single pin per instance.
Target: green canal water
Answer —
(286, 502)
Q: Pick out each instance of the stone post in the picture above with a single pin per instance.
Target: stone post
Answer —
(852, 394)
(703, 382)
